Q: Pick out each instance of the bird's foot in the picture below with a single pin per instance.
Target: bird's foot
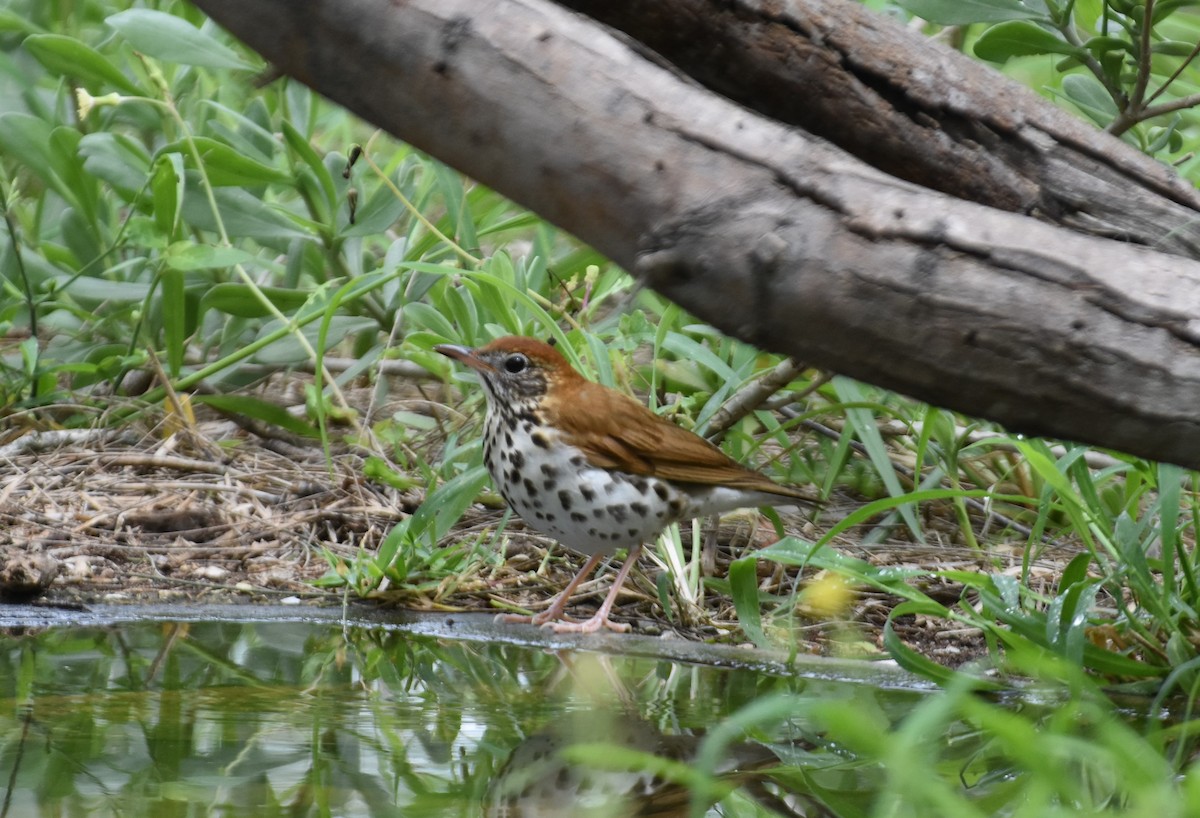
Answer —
(592, 625)
(561, 623)
(546, 617)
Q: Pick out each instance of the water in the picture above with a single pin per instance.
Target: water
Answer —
(104, 715)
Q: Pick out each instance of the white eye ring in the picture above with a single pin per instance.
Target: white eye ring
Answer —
(515, 363)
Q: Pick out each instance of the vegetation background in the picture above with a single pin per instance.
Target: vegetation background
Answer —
(179, 226)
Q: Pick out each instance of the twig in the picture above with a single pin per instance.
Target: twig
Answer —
(750, 397)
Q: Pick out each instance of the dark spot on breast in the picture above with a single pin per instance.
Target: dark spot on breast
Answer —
(641, 485)
(640, 509)
(508, 441)
(564, 497)
(514, 476)
(597, 513)
(588, 493)
(577, 517)
(549, 470)
(618, 512)
(530, 488)
(661, 490)
(540, 440)
(518, 459)
(537, 503)
(578, 461)
(611, 486)
(678, 506)
(633, 532)
(539, 515)
(591, 532)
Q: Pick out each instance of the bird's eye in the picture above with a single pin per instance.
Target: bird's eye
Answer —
(516, 363)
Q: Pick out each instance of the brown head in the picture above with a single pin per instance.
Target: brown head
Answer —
(514, 368)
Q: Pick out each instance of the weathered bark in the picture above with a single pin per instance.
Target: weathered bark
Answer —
(771, 235)
(916, 110)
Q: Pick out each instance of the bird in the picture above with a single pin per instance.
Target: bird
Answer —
(540, 780)
(593, 467)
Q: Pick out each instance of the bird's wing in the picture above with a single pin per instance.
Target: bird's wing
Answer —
(618, 432)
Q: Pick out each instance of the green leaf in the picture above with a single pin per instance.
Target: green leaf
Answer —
(116, 159)
(68, 56)
(444, 505)
(743, 585)
(92, 292)
(1173, 48)
(259, 410)
(1086, 92)
(226, 167)
(166, 187)
(962, 12)
(186, 256)
(240, 299)
(20, 23)
(1021, 38)
(305, 152)
(26, 138)
(174, 318)
(243, 214)
(172, 39)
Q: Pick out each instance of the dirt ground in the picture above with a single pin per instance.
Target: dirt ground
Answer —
(217, 514)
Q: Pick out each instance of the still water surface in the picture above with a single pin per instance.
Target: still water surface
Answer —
(321, 718)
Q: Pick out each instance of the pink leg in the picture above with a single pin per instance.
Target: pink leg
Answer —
(559, 605)
(601, 620)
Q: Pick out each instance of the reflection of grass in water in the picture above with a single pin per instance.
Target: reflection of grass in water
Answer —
(246, 719)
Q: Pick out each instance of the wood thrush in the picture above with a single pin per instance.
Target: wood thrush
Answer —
(594, 468)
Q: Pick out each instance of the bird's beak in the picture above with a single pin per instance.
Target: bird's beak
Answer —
(466, 356)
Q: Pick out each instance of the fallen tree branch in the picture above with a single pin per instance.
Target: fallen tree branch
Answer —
(769, 234)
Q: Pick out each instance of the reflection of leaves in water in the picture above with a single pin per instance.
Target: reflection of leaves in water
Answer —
(309, 719)
(596, 764)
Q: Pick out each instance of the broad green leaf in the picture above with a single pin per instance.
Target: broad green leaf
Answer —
(962, 12)
(259, 410)
(20, 23)
(240, 299)
(116, 159)
(92, 292)
(172, 39)
(243, 214)
(66, 55)
(1021, 38)
(1173, 48)
(68, 166)
(166, 187)
(26, 138)
(225, 167)
(1089, 95)
(187, 256)
(174, 319)
(420, 314)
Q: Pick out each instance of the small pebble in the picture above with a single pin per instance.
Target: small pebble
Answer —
(290, 600)
(244, 587)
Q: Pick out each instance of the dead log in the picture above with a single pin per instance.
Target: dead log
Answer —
(768, 233)
(915, 110)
